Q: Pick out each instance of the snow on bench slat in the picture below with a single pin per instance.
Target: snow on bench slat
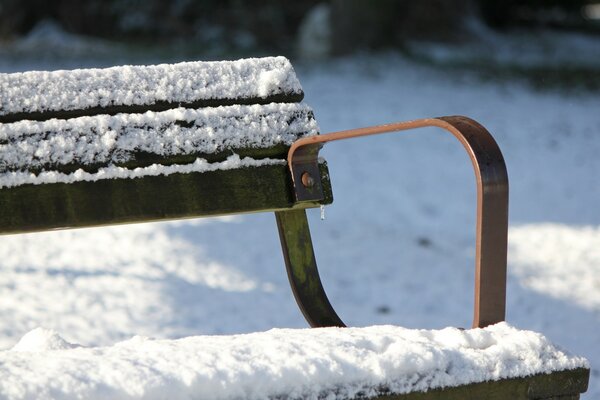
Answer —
(330, 363)
(49, 91)
(112, 139)
(107, 140)
(18, 178)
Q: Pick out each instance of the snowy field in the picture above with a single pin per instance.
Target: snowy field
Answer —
(397, 244)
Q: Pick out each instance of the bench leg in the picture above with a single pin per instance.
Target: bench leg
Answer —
(302, 269)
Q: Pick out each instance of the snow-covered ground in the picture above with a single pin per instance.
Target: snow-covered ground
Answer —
(396, 246)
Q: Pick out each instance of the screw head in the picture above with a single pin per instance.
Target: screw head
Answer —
(307, 180)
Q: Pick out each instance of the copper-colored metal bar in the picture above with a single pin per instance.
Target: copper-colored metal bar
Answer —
(492, 199)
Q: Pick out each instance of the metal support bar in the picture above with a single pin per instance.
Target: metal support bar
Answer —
(492, 214)
(302, 269)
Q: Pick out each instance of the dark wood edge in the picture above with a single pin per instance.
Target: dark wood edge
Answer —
(33, 208)
(140, 159)
(541, 386)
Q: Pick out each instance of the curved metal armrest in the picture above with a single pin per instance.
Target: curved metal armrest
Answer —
(492, 213)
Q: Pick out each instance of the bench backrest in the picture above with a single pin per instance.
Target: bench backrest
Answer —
(138, 143)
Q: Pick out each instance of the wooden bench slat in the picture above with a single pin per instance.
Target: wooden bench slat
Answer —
(144, 159)
(557, 385)
(41, 95)
(156, 106)
(133, 140)
(30, 208)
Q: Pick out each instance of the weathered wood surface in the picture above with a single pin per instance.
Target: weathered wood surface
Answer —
(141, 159)
(180, 138)
(563, 385)
(30, 208)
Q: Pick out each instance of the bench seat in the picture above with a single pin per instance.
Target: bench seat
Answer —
(499, 362)
(145, 143)
(42, 95)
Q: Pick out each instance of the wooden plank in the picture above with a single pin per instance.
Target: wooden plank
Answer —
(30, 208)
(557, 385)
(156, 106)
(180, 139)
(140, 159)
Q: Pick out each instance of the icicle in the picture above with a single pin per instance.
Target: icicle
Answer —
(322, 212)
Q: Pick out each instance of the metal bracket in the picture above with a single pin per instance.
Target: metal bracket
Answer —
(305, 171)
(492, 202)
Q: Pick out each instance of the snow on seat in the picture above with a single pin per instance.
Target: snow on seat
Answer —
(45, 94)
(85, 144)
(132, 143)
(326, 363)
(39, 133)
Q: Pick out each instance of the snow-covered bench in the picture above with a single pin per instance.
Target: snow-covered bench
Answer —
(131, 144)
(126, 144)
(385, 362)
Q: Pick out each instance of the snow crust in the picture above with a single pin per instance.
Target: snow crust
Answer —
(105, 139)
(332, 363)
(40, 91)
(41, 339)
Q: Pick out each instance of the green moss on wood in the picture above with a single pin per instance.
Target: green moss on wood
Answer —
(29, 208)
(302, 269)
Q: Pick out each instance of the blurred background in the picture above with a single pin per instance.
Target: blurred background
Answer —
(476, 34)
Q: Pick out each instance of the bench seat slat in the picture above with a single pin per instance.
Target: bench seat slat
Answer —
(30, 208)
(134, 140)
(42, 95)
(564, 385)
(157, 106)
